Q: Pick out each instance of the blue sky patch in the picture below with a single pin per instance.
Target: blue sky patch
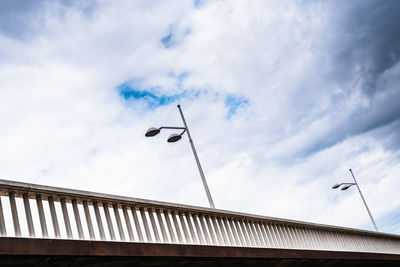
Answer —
(197, 3)
(167, 40)
(233, 103)
(131, 90)
(149, 96)
(174, 36)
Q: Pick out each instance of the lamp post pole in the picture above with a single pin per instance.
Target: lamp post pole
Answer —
(365, 203)
(203, 178)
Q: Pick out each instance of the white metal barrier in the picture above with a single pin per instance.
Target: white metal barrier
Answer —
(74, 214)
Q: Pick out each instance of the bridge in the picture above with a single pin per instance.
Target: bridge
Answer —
(43, 225)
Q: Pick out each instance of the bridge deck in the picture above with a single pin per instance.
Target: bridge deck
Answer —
(34, 251)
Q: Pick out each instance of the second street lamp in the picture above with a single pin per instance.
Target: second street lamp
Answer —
(345, 186)
(176, 137)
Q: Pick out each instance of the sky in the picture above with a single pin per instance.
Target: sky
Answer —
(282, 98)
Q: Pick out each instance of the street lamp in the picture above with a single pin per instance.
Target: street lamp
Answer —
(176, 137)
(345, 186)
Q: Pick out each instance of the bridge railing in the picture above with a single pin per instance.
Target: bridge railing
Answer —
(74, 214)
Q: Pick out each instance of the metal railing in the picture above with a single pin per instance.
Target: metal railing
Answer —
(74, 214)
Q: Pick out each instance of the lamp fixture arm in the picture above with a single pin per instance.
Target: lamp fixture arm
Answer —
(347, 183)
(174, 128)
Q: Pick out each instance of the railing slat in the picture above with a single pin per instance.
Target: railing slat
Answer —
(3, 230)
(189, 222)
(253, 230)
(286, 238)
(204, 228)
(14, 213)
(145, 224)
(98, 220)
(217, 230)
(318, 239)
(234, 233)
(360, 243)
(210, 229)
(169, 226)
(137, 224)
(251, 233)
(197, 227)
(382, 245)
(161, 223)
(277, 239)
(370, 244)
(222, 230)
(246, 223)
(321, 235)
(379, 244)
(348, 242)
(128, 223)
(54, 219)
(307, 237)
(154, 225)
(66, 217)
(271, 235)
(228, 231)
(259, 234)
(296, 236)
(299, 237)
(42, 218)
(243, 228)
(119, 224)
(293, 232)
(267, 240)
(77, 219)
(342, 242)
(333, 236)
(337, 241)
(178, 231)
(28, 215)
(108, 220)
(286, 234)
(314, 239)
(239, 232)
(279, 236)
(88, 219)
(263, 236)
(303, 241)
(328, 239)
(185, 232)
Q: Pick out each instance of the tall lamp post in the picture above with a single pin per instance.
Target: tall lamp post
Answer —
(176, 137)
(345, 186)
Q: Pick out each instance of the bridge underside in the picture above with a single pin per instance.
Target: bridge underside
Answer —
(53, 252)
(173, 261)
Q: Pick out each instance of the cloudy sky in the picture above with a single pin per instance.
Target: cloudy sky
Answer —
(281, 97)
